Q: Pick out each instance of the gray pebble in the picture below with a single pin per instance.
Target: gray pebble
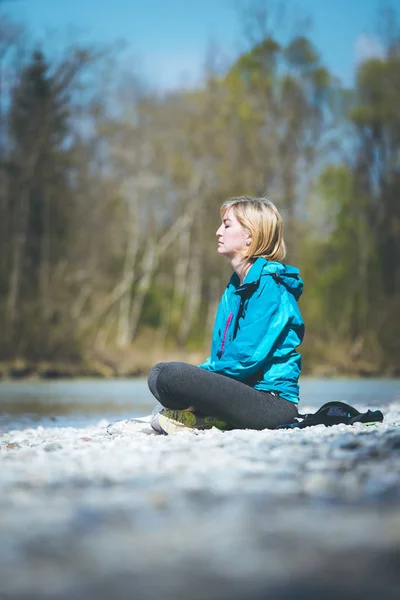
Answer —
(52, 447)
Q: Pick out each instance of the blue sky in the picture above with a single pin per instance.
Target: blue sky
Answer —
(169, 38)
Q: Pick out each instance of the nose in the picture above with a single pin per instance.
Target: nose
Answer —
(218, 233)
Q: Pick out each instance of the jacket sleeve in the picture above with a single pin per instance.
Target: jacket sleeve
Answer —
(257, 336)
(206, 364)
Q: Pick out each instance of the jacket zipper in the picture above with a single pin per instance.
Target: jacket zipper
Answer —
(228, 322)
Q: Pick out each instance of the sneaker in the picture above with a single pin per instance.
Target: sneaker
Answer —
(173, 421)
(155, 424)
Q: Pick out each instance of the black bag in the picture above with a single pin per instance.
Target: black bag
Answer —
(333, 413)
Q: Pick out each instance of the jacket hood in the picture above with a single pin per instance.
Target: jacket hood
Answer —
(286, 275)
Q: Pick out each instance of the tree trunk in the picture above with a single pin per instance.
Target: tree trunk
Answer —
(213, 301)
(180, 279)
(44, 271)
(18, 251)
(193, 297)
(150, 261)
(123, 333)
(149, 264)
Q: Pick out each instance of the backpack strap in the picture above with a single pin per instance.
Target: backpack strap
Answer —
(334, 413)
(368, 418)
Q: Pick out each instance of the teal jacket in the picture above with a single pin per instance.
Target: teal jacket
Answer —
(258, 328)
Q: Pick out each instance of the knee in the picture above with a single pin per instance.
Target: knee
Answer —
(162, 371)
(166, 377)
(155, 369)
(172, 385)
(167, 374)
(152, 377)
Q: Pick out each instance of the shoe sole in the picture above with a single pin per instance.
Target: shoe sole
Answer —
(170, 426)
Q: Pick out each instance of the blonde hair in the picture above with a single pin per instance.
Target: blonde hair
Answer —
(260, 218)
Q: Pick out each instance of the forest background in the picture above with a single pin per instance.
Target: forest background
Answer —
(110, 194)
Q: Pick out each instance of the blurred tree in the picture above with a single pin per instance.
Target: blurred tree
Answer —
(354, 268)
(38, 174)
(282, 95)
(336, 258)
(39, 205)
(376, 118)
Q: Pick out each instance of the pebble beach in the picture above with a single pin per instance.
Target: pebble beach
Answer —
(119, 512)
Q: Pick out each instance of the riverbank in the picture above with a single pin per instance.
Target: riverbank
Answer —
(106, 367)
(278, 514)
(101, 363)
(111, 362)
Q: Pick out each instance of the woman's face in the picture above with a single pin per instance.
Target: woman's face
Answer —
(232, 238)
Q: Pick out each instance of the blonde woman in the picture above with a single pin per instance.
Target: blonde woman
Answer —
(251, 378)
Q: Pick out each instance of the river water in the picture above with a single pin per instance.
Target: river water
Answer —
(81, 402)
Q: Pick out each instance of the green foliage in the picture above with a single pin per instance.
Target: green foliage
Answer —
(378, 84)
(261, 59)
(340, 253)
(301, 53)
(38, 125)
(376, 117)
(355, 279)
(153, 308)
(38, 108)
(38, 208)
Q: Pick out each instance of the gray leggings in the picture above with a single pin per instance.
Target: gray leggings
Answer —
(178, 385)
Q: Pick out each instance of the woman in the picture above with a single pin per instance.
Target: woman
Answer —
(251, 378)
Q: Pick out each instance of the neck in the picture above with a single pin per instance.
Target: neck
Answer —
(241, 267)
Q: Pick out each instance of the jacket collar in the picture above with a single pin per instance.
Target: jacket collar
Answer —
(253, 275)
